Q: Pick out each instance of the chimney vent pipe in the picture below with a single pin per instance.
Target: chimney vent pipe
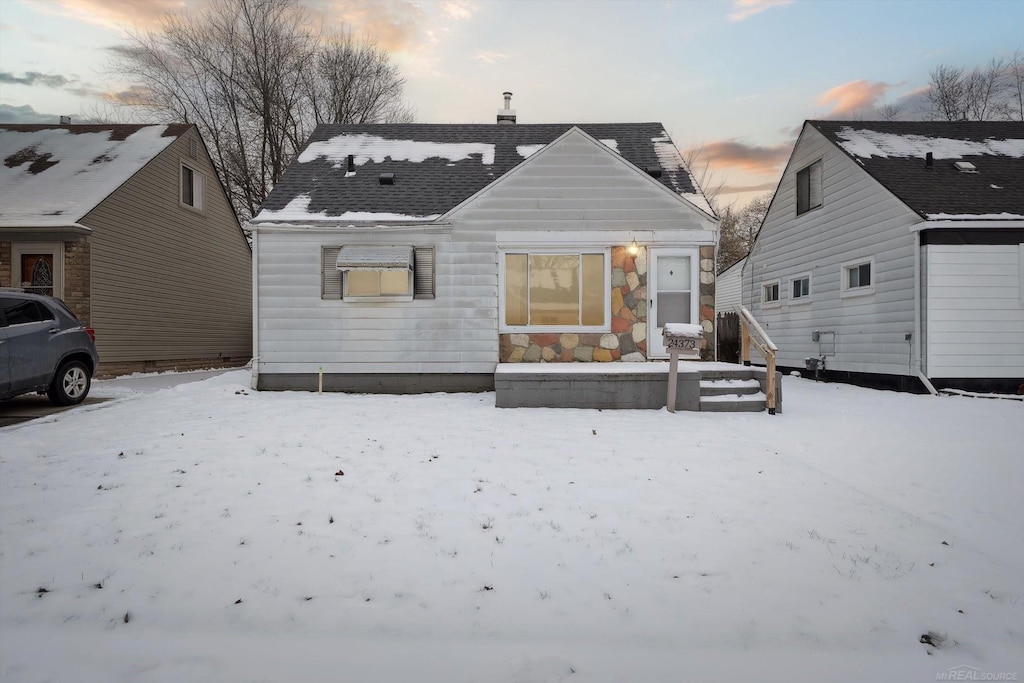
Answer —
(508, 114)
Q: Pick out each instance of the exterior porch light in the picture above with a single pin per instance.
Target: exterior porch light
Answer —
(633, 249)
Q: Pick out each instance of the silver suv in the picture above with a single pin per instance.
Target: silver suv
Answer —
(44, 348)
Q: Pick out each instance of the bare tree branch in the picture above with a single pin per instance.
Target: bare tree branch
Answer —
(256, 76)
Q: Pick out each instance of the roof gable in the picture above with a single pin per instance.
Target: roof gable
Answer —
(55, 175)
(894, 153)
(436, 167)
(611, 154)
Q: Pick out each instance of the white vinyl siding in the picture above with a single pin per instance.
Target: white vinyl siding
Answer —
(975, 311)
(727, 289)
(572, 188)
(859, 220)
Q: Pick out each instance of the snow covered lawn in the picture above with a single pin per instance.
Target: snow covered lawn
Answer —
(206, 533)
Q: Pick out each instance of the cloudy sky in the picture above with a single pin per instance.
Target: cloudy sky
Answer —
(736, 76)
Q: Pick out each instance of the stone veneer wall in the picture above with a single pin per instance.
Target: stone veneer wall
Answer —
(5, 264)
(77, 292)
(627, 340)
(707, 302)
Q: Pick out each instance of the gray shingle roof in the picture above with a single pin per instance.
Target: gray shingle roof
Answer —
(53, 175)
(448, 164)
(893, 152)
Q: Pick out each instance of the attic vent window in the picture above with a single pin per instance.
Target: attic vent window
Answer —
(386, 179)
(965, 167)
(192, 148)
(654, 171)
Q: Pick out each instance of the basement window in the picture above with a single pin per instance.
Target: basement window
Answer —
(808, 188)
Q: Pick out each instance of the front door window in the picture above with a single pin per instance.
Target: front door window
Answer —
(37, 273)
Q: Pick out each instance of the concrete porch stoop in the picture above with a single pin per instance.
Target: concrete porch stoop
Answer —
(701, 386)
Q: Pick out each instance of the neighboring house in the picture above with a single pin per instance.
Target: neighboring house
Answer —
(130, 226)
(415, 257)
(727, 288)
(893, 250)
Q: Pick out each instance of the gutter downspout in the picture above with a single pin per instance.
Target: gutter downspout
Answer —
(917, 316)
(254, 381)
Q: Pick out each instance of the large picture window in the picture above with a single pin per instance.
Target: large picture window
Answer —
(555, 290)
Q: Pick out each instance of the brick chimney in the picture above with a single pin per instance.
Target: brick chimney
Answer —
(507, 115)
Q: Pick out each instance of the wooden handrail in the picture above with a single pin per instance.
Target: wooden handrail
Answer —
(753, 333)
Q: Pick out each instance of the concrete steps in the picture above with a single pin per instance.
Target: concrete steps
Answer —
(731, 392)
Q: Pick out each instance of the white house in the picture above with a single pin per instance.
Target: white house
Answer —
(417, 257)
(893, 251)
(728, 294)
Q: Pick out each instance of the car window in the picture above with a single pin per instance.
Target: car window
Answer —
(19, 312)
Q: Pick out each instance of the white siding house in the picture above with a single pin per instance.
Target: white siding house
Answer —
(496, 243)
(892, 251)
(728, 292)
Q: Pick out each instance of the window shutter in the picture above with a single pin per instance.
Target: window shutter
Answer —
(423, 273)
(330, 276)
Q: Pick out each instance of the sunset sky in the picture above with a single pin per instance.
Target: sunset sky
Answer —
(736, 76)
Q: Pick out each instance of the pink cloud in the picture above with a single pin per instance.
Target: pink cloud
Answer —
(853, 97)
(723, 155)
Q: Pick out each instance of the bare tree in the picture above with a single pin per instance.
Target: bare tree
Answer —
(256, 76)
(738, 230)
(355, 82)
(890, 111)
(981, 94)
(1015, 87)
(698, 162)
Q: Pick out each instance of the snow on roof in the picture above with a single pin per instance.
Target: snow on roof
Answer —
(298, 210)
(974, 216)
(868, 143)
(526, 150)
(366, 148)
(52, 177)
(672, 161)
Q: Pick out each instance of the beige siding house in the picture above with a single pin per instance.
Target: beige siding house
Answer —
(130, 226)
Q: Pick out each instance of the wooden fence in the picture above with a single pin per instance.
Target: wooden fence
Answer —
(728, 337)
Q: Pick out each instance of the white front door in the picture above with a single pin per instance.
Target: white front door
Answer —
(674, 294)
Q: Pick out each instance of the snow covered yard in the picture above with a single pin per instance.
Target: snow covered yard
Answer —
(206, 533)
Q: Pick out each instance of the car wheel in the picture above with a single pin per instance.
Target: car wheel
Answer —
(70, 385)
